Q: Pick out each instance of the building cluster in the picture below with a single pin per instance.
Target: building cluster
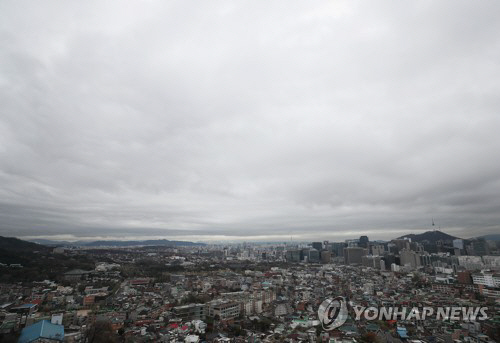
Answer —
(260, 293)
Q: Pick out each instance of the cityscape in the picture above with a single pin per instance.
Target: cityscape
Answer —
(247, 292)
(251, 171)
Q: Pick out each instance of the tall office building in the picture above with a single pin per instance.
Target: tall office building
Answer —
(401, 244)
(377, 249)
(292, 255)
(326, 256)
(354, 255)
(363, 241)
(313, 256)
(338, 248)
(371, 261)
(410, 258)
(317, 245)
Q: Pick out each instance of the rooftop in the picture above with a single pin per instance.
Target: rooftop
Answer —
(42, 329)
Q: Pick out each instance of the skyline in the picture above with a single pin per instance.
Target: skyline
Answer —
(343, 236)
(249, 120)
(251, 240)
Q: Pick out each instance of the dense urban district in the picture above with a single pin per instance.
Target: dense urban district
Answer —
(248, 292)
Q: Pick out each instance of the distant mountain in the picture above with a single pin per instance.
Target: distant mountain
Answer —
(429, 236)
(49, 242)
(152, 242)
(493, 237)
(12, 244)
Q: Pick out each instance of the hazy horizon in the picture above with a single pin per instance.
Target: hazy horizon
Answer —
(251, 239)
(249, 120)
(264, 239)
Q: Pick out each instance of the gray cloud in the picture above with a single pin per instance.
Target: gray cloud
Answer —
(248, 120)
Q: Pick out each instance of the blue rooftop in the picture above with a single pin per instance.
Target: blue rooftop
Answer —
(402, 332)
(42, 329)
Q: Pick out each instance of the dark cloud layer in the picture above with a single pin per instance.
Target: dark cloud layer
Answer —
(248, 120)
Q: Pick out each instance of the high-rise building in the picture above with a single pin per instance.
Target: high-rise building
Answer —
(401, 244)
(371, 261)
(352, 242)
(292, 255)
(409, 258)
(317, 245)
(338, 248)
(313, 256)
(363, 242)
(353, 255)
(415, 246)
(326, 256)
(389, 260)
(425, 259)
(377, 249)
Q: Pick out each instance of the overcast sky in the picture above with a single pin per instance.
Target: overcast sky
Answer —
(249, 120)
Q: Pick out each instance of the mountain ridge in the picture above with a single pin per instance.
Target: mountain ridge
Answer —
(115, 243)
(430, 236)
(16, 244)
(492, 237)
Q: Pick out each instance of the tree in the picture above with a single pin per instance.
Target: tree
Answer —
(102, 332)
(369, 337)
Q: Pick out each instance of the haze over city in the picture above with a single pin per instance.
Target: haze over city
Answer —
(210, 121)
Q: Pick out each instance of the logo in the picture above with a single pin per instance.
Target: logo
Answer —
(332, 313)
(453, 313)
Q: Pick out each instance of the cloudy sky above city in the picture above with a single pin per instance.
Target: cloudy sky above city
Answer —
(268, 120)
